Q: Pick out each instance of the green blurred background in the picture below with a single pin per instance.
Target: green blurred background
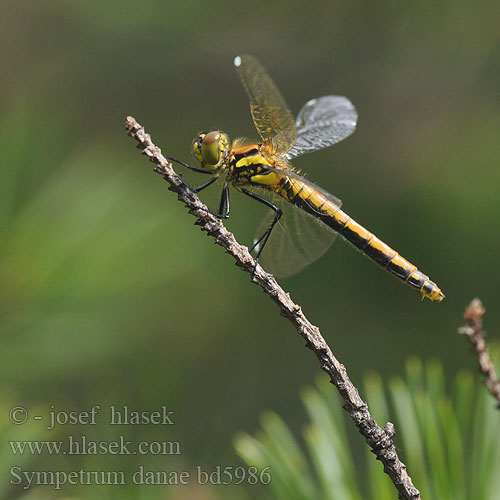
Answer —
(110, 295)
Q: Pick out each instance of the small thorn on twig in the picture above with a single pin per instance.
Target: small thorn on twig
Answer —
(389, 429)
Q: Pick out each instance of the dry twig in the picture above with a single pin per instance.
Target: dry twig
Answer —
(380, 440)
(473, 328)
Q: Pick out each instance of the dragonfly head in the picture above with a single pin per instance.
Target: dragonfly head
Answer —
(211, 149)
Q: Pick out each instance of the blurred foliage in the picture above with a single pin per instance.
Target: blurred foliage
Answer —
(450, 444)
(108, 293)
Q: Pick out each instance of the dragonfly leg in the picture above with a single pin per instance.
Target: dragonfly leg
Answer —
(224, 203)
(224, 211)
(199, 188)
(194, 169)
(261, 242)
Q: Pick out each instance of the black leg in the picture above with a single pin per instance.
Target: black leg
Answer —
(199, 188)
(224, 203)
(223, 212)
(261, 242)
(194, 169)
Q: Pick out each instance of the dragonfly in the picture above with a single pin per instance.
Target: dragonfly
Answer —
(289, 239)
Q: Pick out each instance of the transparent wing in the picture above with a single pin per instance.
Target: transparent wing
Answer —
(270, 113)
(296, 241)
(322, 122)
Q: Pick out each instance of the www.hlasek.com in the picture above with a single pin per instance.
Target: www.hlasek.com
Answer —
(216, 476)
(80, 445)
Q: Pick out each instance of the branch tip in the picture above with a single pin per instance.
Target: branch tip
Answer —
(473, 330)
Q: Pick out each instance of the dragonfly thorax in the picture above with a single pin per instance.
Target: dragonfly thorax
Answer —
(211, 149)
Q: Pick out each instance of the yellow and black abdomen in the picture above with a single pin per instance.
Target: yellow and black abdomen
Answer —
(318, 204)
(249, 167)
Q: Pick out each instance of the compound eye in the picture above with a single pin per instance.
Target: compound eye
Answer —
(212, 147)
(197, 146)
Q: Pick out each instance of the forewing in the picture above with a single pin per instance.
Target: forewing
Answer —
(322, 122)
(270, 113)
(296, 241)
